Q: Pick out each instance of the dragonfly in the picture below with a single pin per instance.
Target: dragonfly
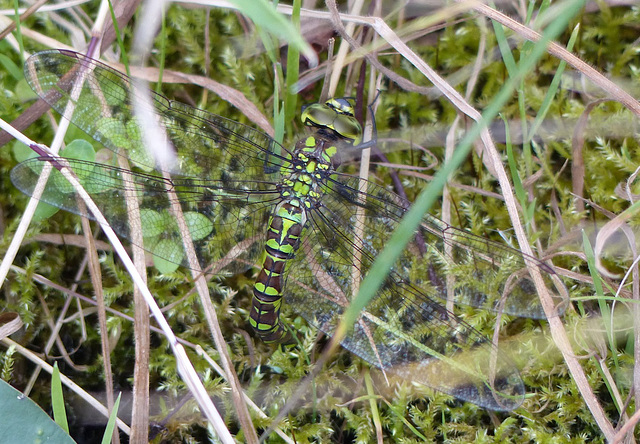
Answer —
(311, 229)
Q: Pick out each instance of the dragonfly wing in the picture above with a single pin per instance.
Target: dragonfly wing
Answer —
(481, 273)
(204, 145)
(223, 173)
(219, 218)
(403, 330)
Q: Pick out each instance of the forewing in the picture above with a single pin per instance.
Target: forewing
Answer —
(204, 145)
(223, 173)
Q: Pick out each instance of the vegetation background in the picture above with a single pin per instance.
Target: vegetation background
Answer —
(574, 174)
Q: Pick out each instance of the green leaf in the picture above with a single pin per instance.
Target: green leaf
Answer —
(170, 256)
(24, 422)
(22, 152)
(114, 130)
(106, 182)
(12, 68)
(57, 400)
(127, 138)
(116, 96)
(23, 91)
(155, 223)
(137, 151)
(200, 226)
(79, 149)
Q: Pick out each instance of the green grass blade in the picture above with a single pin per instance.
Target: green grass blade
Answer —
(515, 176)
(18, 34)
(553, 87)
(119, 40)
(605, 313)
(111, 424)
(266, 16)
(293, 70)
(57, 400)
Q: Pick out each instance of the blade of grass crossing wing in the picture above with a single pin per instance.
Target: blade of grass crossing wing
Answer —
(529, 207)
(605, 310)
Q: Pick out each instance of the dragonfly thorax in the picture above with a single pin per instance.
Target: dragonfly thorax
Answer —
(313, 161)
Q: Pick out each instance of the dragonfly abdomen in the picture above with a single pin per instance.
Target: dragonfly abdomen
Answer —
(283, 240)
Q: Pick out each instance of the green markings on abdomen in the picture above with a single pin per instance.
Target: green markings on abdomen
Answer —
(283, 240)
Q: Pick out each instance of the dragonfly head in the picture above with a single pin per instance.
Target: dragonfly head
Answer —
(336, 115)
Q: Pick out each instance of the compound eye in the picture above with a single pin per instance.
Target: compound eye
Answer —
(317, 114)
(348, 127)
(336, 115)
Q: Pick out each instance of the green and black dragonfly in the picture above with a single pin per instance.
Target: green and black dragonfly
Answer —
(312, 230)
